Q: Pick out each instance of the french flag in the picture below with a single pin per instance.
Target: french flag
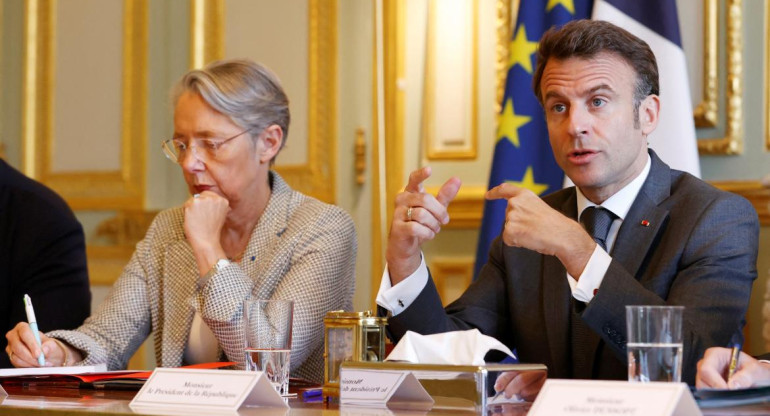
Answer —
(657, 22)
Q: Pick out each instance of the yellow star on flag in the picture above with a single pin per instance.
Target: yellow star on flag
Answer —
(510, 123)
(521, 50)
(568, 4)
(528, 181)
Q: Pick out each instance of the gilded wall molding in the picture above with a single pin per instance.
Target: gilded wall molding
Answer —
(506, 14)
(461, 148)
(754, 191)
(118, 237)
(38, 40)
(706, 112)
(119, 189)
(732, 142)
(767, 76)
(394, 33)
(316, 177)
(206, 31)
(379, 212)
(451, 276)
(388, 121)
(468, 207)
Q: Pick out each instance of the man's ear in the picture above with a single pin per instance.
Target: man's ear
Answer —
(649, 110)
(272, 139)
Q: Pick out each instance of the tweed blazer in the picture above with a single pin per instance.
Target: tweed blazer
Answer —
(683, 242)
(301, 249)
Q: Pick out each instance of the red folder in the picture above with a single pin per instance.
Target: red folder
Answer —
(123, 379)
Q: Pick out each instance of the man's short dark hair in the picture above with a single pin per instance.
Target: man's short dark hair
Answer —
(589, 38)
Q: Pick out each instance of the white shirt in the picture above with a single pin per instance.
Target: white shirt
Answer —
(202, 346)
(399, 297)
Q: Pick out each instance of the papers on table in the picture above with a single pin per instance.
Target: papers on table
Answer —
(709, 398)
(86, 376)
(93, 376)
(41, 371)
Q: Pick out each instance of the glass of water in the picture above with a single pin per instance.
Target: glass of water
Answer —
(267, 329)
(654, 343)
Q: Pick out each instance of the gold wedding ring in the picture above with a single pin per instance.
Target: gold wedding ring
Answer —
(409, 214)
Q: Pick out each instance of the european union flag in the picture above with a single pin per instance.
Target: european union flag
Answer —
(523, 154)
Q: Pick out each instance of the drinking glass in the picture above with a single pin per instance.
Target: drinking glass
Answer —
(267, 329)
(654, 343)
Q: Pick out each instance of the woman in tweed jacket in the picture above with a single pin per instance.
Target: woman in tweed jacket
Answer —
(244, 234)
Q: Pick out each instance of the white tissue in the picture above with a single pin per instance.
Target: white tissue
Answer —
(456, 348)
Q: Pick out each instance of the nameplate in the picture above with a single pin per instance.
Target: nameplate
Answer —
(384, 389)
(206, 390)
(593, 397)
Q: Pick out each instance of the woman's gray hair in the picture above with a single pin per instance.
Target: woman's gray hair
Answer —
(247, 92)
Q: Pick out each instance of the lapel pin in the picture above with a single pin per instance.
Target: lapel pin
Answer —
(645, 223)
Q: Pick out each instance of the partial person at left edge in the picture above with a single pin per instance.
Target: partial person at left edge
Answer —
(42, 254)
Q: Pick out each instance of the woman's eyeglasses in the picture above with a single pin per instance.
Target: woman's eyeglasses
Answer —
(176, 149)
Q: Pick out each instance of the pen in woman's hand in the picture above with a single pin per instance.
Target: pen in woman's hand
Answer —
(33, 325)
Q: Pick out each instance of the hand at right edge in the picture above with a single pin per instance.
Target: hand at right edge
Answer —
(712, 370)
(428, 214)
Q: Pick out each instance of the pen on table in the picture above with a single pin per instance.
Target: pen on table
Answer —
(312, 394)
(33, 325)
(735, 344)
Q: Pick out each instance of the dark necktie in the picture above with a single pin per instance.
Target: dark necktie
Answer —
(597, 222)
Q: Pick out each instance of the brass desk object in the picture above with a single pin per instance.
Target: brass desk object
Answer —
(350, 336)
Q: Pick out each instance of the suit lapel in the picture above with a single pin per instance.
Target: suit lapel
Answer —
(180, 279)
(645, 219)
(266, 244)
(556, 299)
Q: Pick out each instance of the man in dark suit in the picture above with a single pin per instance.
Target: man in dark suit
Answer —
(42, 253)
(632, 231)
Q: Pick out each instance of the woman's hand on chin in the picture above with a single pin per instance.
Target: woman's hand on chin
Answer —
(204, 217)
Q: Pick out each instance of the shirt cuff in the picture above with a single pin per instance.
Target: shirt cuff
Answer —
(585, 288)
(399, 297)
